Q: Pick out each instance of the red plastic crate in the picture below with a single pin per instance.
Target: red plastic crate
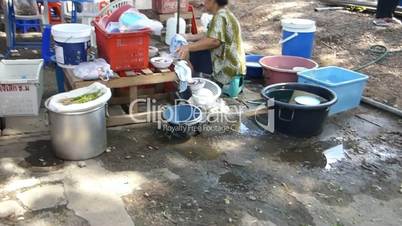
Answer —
(169, 6)
(123, 51)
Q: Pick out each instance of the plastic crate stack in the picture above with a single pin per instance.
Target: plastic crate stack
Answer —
(27, 23)
(24, 25)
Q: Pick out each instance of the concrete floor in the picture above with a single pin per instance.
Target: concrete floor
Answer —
(238, 176)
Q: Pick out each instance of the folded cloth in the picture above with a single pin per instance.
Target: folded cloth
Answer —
(184, 74)
(177, 42)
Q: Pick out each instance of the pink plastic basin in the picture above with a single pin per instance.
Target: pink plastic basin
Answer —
(280, 69)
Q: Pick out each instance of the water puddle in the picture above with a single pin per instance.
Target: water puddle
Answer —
(41, 157)
(334, 155)
(230, 178)
(307, 158)
(313, 156)
(234, 181)
(248, 127)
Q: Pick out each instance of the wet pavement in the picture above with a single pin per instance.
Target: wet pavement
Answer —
(349, 175)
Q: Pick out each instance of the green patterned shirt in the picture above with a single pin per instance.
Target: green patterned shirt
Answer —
(229, 58)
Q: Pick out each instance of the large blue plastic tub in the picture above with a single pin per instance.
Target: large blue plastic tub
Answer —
(347, 84)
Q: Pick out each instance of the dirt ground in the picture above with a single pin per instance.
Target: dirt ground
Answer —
(343, 39)
(241, 176)
(349, 175)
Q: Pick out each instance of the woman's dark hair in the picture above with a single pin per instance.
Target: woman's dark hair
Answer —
(222, 2)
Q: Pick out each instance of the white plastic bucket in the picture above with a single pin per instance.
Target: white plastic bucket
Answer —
(298, 37)
(72, 43)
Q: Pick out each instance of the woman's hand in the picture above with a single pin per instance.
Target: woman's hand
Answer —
(184, 52)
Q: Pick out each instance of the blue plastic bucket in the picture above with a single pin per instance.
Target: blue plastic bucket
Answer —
(348, 85)
(298, 37)
(254, 68)
(72, 42)
(185, 114)
(182, 120)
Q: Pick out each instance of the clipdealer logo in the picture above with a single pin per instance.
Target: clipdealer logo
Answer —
(264, 115)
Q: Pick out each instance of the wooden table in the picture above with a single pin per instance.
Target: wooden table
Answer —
(131, 81)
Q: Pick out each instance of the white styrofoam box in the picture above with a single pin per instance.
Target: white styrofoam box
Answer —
(21, 87)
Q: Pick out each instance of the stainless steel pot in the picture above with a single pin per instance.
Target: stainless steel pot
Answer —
(79, 135)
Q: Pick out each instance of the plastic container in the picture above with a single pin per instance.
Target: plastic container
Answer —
(181, 121)
(171, 28)
(90, 10)
(347, 84)
(27, 25)
(169, 6)
(123, 51)
(115, 5)
(93, 8)
(161, 62)
(254, 68)
(280, 69)
(55, 12)
(21, 87)
(72, 42)
(298, 37)
(114, 16)
(211, 86)
(294, 119)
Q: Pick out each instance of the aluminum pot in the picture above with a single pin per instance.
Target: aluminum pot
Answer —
(79, 135)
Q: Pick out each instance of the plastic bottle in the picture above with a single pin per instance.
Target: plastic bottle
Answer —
(171, 28)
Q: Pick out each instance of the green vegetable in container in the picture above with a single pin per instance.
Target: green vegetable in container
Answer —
(83, 98)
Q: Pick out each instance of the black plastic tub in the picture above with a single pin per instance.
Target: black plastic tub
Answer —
(293, 118)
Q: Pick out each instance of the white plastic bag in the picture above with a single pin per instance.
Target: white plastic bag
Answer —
(132, 20)
(98, 69)
(56, 102)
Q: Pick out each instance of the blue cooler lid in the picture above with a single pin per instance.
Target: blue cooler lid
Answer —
(299, 25)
